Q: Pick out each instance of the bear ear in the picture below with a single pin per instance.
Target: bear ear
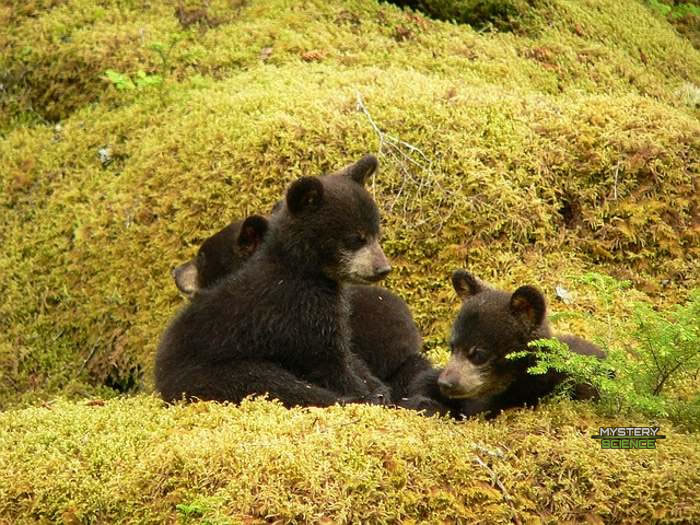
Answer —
(465, 284)
(304, 194)
(527, 304)
(252, 232)
(186, 277)
(361, 170)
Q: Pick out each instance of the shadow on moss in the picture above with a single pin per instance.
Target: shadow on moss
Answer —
(517, 16)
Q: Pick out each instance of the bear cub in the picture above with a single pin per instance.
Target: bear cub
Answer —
(279, 326)
(383, 332)
(220, 255)
(490, 325)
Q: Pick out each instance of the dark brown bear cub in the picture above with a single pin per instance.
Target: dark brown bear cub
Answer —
(220, 255)
(492, 324)
(383, 332)
(279, 326)
(385, 336)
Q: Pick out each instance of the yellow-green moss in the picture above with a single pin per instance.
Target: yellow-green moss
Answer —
(568, 145)
(134, 461)
(89, 289)
(54, 52)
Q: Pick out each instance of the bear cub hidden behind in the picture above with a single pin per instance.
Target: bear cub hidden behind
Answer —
(490, 325)
(279, 326)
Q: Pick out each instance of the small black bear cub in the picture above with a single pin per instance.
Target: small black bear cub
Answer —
(220, 255)
(383, 332)
(492, 324)
(279, 326)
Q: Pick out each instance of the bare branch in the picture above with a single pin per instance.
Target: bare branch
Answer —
(417, 177)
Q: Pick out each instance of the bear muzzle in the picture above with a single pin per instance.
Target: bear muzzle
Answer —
(368, 264)
(461, 379)
(185, 277)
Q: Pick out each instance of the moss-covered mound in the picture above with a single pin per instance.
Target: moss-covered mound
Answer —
(530, 157)
(129, 131)
(134, 461)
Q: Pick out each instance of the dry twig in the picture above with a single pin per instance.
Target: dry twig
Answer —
(417, 177)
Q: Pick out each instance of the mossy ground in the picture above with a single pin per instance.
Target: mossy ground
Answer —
(568, 145)
(134, 460)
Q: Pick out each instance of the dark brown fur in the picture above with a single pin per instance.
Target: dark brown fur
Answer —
(280, 325)
(490, 325)
(383, 332)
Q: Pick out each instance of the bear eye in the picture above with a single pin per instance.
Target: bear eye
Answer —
(357, 240)
(478, 356)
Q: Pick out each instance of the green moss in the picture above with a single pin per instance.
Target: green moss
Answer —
(537, 155)
(106, 237)
(59, 68)
(135, 461)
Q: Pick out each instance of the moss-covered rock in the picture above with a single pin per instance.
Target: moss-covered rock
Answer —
(567, 145)
(522, 155)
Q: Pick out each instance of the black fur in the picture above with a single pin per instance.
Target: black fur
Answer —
(279, 326)
(425, 395)
(221, 254)
(490, 325)
(385, 336)
(383, 332)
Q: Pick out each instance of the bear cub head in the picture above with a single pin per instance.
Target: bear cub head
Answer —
(221, 254)
(332, 217)
(331, 223)
(490, 325)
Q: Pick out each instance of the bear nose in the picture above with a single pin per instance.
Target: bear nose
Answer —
(383, 271)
